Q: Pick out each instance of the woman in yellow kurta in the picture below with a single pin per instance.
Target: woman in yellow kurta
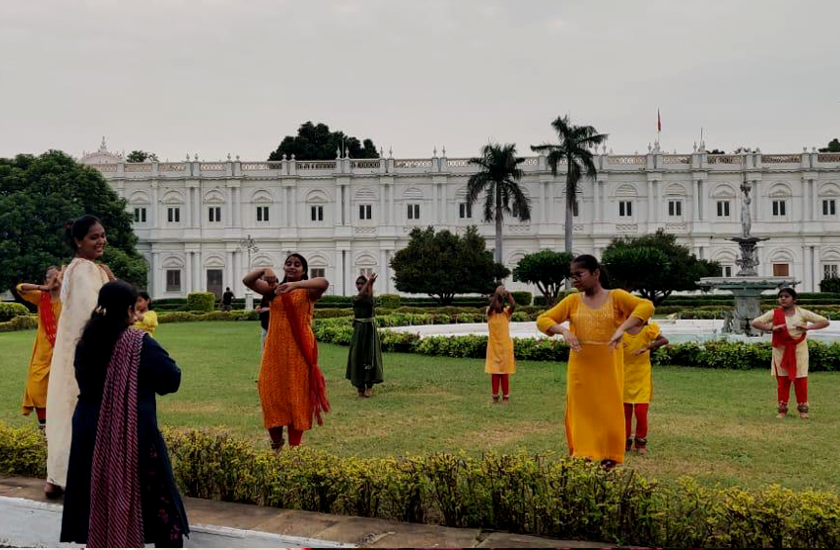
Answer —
(638, 383)
(500, 362)
(48, 299)
(145, 319)
(789, 363)
(595, 373)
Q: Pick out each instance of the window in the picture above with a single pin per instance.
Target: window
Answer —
(317, 213)
(829, 207)
(139, 215)
(723, 209)
(675, 208)
(413, 211)
(625, 209)
(365, 211)
(173, 280)
(575, 209)
(781, 270)
(262, 213)
(465, 211)
(779, 208)
(366, 271)
(830, 271)
(215, 214)
(317, 272)
(727, 271)
(173, 214)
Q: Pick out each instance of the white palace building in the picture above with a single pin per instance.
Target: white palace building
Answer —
(349, 216)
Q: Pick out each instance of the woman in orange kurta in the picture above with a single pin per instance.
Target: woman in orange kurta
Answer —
(291, 385)
(48, 299)
(500, 362)
(595, 373)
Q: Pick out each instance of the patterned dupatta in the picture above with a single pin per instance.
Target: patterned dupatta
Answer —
(317, 383)
(116, 515)
(783, 339)
(48, 320)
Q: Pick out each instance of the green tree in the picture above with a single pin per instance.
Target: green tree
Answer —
(443, 265)
(38, 195)
(833, 147)
(317, 142)
(498, 178)
(141, 156)
(575, 150)
(547, 269)
(654, 265)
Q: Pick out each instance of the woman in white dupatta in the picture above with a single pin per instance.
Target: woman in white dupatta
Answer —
(81, 282)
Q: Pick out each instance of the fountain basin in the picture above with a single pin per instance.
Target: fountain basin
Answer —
(747, 290)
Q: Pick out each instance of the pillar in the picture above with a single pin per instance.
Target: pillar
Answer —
(757, 202)
(157, 288)
(596, 215)
(339, 268)
(293, 206)
(380, 216)
(188, 272)
(696, 206)
(348, 220)
(392, 216)
(815, 202)
(816, 267)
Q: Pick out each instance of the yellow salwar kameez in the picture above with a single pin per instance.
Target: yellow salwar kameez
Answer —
(38, 378)
(638, 382)
(595, 375)
(148, 324)
(500, 359)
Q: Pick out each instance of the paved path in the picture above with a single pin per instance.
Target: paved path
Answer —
(28, 520)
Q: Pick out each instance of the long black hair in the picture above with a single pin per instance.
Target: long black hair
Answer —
(790, 292)
(590, 263)
(303, 262)
(78, 229)
(145, 295)
(107, 323)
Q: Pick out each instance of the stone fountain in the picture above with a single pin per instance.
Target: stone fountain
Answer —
(747, 286)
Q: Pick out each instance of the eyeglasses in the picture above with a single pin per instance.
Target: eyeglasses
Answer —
(578, 274)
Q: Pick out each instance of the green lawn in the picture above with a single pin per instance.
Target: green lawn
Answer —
(718, 426)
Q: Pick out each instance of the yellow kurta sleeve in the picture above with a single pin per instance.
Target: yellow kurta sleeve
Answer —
(558, 314)
(766, 317)
(31, 296)
(810, 317)
(653, 331)
(632, 306)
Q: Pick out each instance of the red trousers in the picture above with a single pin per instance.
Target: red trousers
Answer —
(504, 380)
(641, 410)
(276, 435)
(800, 385)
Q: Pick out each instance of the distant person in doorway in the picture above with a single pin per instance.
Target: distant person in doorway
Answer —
(227, 299)
(364, 361)
(789, 363)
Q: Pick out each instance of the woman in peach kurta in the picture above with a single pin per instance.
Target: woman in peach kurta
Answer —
(291, 385)
(48, 300)
(500, 362)
(595, 372)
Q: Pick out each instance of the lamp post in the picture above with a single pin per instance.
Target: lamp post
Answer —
(250, 245)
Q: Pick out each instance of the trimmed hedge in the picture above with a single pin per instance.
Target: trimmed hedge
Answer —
(201, 301)
(389, 301)
(25, 322)
(10, 310)
(522, 298)
(541, 495)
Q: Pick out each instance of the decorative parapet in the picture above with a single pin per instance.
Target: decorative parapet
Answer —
(725, 159)
(781, 159)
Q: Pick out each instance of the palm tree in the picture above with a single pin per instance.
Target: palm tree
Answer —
(499, 180)
(575, 149)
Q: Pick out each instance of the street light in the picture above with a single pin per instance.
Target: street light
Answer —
(250, 245)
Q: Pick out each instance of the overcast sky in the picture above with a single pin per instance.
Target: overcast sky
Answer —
(223, 76)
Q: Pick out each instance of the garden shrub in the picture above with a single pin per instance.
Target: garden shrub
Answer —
(543, 495)
(389, 301)
(831, 284)
(24, 322)
(201, 301)
(10, 310)
(522, 298)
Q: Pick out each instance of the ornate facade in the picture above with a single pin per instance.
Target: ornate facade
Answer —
(349, 216)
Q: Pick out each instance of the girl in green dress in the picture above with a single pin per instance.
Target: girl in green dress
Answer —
(364, 364)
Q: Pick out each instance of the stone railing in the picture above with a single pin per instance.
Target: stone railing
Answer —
(365, 164)
(627, 159)
(304, 166)
(724, 159)
(138, 167)
(458, 163)
(172, 167)
(781, 159)
(828, 157)
(413, 163)
(676, 159)
(211, 166)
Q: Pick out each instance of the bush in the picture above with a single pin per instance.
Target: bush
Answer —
(329, 313)
(541, 495)
(389, 301)
(832, 284)
(201, 301)
(522, 298)
(24, 322)
(10, 310)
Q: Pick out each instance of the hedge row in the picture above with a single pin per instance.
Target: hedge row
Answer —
(541, 495)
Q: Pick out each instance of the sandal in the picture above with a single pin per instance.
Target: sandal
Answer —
(641, 445)
(496, 399)
(608, 464)
(368, 392)
(628, 445)
(803, 411)
(52, 491)
(782, 410)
